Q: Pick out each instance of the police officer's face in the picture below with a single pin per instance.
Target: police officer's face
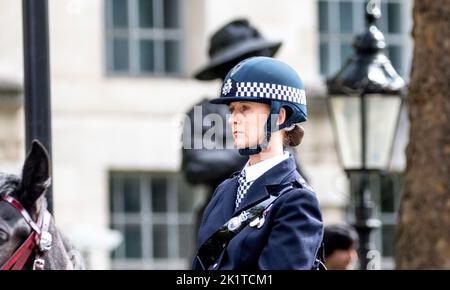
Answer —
(247, 122)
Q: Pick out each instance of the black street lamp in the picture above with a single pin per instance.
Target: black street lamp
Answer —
(365, 98)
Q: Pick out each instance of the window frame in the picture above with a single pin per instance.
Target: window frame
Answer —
(146, 219)
(335, 39)
(134, 34)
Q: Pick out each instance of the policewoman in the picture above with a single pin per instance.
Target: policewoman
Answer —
(265, 216)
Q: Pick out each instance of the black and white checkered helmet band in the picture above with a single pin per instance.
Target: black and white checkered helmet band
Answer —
(270, 91)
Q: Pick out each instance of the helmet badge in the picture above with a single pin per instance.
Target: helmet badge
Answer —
(227, 87)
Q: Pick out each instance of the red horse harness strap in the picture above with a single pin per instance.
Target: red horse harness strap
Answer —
(15, 203)
(39, 239)
(21, 255)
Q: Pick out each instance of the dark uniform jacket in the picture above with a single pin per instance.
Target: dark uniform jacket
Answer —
(293, 228)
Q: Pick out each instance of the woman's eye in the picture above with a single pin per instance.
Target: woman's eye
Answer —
(231, 110)
(3, 236)
(244, 108)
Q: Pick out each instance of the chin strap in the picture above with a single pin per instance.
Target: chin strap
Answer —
(271, 126)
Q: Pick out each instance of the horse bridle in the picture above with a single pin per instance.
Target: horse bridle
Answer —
(39, 239)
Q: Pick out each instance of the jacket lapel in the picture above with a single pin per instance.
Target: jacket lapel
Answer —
(229, 198)
(221, 212)
(258, 191)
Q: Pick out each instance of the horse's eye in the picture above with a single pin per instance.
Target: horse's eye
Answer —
(3, 236)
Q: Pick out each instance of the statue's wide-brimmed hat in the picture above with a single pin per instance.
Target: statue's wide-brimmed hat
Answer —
(232, 42)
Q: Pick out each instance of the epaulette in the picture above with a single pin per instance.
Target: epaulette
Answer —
(301, 183)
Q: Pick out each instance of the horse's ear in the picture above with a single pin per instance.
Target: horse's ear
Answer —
(35, 175)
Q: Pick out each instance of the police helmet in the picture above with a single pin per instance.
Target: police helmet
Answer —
(266, 80)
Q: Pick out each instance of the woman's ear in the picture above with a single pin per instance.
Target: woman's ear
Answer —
(281, 116)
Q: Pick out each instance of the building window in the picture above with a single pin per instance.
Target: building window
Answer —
(155, 214)
(386, 190)
(341, 20)
(143, 37)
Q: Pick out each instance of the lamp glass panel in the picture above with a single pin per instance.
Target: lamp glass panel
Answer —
(382, 116)
(346, 113)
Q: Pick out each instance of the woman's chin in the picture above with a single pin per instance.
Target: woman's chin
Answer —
(242, 145)
(239, 145)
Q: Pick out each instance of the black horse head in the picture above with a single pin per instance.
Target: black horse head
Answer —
(29, 192)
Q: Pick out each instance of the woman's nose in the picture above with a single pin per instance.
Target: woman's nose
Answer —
(233, 119)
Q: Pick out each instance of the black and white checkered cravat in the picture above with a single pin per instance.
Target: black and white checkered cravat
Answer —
(242, 188)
